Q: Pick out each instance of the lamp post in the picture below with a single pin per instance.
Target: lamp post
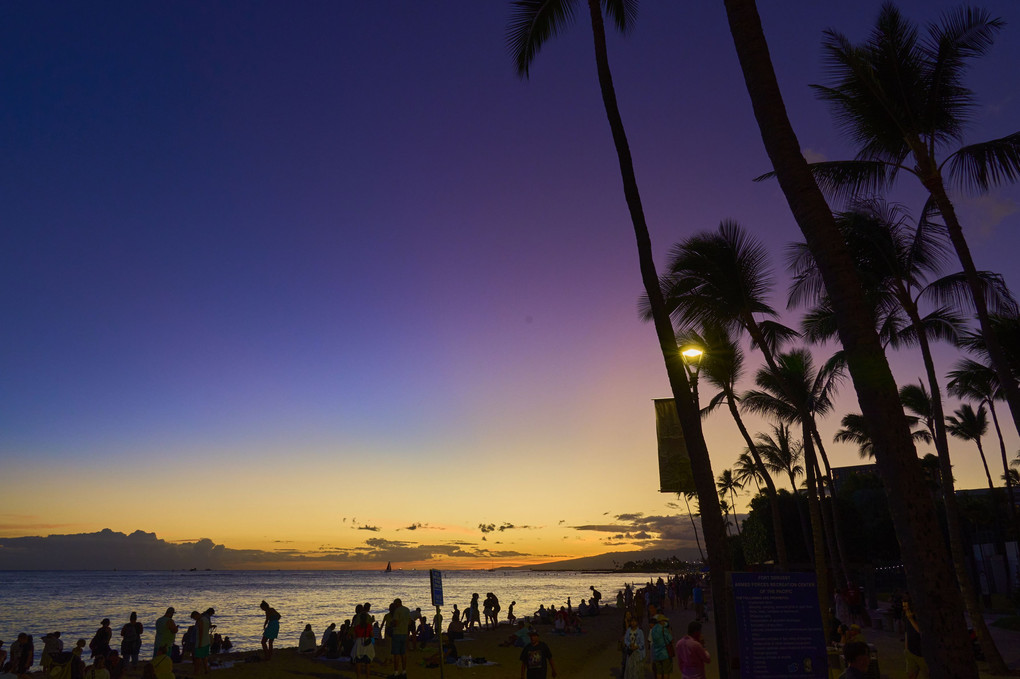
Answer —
(692, 356)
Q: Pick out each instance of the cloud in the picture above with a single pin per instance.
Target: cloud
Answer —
(108, 550)
(812, 156)
(374, 529)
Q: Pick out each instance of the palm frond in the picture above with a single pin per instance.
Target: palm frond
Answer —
(954, 291)
(978, 167)
(531, 24)
(843, 181)
(623, 13)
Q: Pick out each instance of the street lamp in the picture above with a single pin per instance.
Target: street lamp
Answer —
(692, 356)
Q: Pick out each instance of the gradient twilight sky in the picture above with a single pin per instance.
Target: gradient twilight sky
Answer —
(271, 273)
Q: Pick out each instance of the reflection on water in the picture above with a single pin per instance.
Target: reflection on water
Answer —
(74, 602)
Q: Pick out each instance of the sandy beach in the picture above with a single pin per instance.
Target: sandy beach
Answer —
(577, 656)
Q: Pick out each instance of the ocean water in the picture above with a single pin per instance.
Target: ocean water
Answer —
(75, 602)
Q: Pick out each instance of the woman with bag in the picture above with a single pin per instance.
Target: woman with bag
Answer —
(634, 648)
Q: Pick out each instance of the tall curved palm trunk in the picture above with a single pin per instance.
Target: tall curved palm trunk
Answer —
(953, 523)
(930, 580)
(713, 526)
(782, 560)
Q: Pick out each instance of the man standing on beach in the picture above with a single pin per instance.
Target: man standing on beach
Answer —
(400, 619)
(534, 657)
(691, 653)
(166, 632)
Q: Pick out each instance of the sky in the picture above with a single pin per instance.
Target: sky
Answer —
(328, 284)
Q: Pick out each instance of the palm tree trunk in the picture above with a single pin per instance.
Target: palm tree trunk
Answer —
(924, 555)
(984, 461)
(690, 418)
(694, 526)
(841, 556)
(736, 521)
(970, 600)
(770, 486)
(817, 532)
(931, 177)
(1005, 468)
(835, 554)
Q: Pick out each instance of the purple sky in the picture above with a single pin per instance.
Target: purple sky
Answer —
(302, 259)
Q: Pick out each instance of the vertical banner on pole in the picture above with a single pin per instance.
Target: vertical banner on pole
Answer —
(675, 474)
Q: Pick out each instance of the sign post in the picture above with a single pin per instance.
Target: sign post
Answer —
(436, 587)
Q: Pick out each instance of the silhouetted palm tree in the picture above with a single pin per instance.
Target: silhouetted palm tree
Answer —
(781, 453)
(745, 471)
(531, 24)
(976, 381)
(727, 484)
(722, 366)
(855, 431)
(930, 580)
(688, 496)
(901, 99)
(968, 424)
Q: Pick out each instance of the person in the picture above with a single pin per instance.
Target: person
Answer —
(416, 623)
(203, 641)
(131, 640)
(400, 618)
(534, 658)
(114, 665)
(662, 644)
(634, 649)
(596, 598)
(162, 665)
(853, 633)
(691, 654)
(217, 644)
(270, 628)
(166, 632)
(98, 669)
(363, 650)
(100, 644)
(456, 629)
(510, 612)
(227, 644)
(917, 667)
(858, 657)
(325, 635)
(473, 617)
(51, 644)
(306, 643)
(495, 609)
(698, 596)
(450, 654)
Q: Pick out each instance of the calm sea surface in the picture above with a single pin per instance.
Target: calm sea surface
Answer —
(74, 602)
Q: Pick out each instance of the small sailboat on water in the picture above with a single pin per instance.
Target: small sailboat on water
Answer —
(389, 567)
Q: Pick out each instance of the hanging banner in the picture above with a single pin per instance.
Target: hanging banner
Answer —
(674, 463)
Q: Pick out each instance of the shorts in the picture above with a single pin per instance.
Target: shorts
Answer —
(916, 665)
(662, 666)
(202, 652)
(398, 644)
(272, 630)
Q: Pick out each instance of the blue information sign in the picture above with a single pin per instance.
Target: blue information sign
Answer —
(779, 626)
(436, 585)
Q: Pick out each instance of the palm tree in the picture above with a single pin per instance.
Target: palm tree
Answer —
(855, 431)
(968, 424)
(794, 392)
(727, 484)
(930, 580)
(745, 471)
(973, 380)
(781, 452)
(531, 24)
(900, 97)
(721, 278)
(688, 496)
(722, 366)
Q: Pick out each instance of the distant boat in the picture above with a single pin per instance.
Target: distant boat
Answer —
(389, 567)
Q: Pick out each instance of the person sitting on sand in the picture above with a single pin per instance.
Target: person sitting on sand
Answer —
(51, 644)
(162, 665)
(450, 654)
(227, 644)
(98, 669)
(455, 629)
(582, 608)
(217, 644)
(306, 643)
(270, 628)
